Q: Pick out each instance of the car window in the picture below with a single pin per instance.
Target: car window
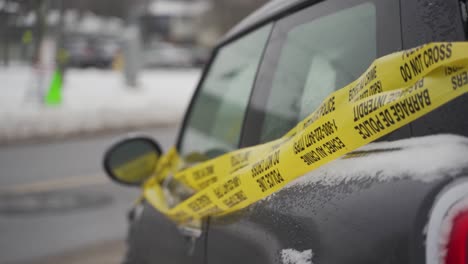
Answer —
(215, 120)
(317, 58)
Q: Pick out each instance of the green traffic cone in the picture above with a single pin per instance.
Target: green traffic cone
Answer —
(54, 94)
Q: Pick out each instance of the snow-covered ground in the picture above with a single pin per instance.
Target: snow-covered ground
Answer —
(93, 100)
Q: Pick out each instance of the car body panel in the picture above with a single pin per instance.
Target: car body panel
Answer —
(263, 15)
(369, 208)
(430, 21)
(153, 238)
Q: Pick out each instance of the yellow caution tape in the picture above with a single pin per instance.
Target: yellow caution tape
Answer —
(394, 91)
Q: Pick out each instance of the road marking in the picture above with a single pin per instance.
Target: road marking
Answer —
(56, 184)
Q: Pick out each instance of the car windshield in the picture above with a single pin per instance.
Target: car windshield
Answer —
(215, 120)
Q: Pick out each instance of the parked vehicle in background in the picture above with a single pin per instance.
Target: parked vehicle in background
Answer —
(90, 50)
(388, 203)
(168, 55)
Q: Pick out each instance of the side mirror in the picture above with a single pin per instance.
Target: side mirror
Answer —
(132, 161)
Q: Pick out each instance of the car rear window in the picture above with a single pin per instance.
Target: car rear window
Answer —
(317, 58)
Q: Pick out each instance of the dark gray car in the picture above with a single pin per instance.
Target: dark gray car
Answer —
(386, 203)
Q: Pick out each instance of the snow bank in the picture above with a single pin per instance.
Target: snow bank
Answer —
(423, 158)
(93, 100)
(292, 256)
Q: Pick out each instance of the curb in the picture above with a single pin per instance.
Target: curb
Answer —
(49, 126)
(79, 134)
(106, 252)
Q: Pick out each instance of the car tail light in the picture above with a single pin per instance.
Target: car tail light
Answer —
(447, 229)
(457, 246)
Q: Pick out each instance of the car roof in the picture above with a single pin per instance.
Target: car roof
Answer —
(264, 14)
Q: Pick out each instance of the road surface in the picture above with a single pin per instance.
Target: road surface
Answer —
(54, 197)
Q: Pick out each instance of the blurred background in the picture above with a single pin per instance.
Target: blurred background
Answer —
(76, 75)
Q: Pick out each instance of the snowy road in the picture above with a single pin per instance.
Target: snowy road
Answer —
(54, 198)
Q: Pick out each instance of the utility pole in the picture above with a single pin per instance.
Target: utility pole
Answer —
(41, 12)
(37, 90)
(6, 34)
(132, 47)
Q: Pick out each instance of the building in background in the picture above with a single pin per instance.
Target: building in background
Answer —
(174, 21)
(186, 24)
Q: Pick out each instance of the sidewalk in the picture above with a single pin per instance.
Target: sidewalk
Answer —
(93, 101)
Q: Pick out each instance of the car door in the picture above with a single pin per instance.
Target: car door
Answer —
(211, 127)
(311, 53)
